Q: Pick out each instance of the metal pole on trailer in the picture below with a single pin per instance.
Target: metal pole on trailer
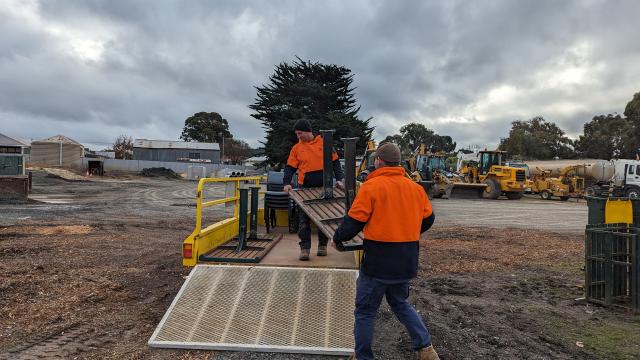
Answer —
(242, 216)
(327, 152)
(253, 232)
(349, 171)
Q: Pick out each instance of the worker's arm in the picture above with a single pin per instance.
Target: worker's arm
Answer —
(427, 222)
(357, 217)
(292, 166)
(288, 174)
(349, 228)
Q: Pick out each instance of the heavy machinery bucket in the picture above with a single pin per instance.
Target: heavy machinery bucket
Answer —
(465, 191)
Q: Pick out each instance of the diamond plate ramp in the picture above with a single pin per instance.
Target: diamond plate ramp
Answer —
(260, 308)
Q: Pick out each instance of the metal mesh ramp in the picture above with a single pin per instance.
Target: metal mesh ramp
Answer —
(259, 308)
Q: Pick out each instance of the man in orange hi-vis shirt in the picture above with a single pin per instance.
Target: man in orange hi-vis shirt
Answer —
(306, 158)
(393, 211)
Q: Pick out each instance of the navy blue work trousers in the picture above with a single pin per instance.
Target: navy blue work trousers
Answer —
(304, 232)
(369, 294)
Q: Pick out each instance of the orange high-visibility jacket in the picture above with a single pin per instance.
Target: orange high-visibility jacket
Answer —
(307, 158)
(391, 205)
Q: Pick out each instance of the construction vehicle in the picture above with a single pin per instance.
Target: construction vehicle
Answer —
(498, 178)
(426, 167)
(619, 178)
(366, 166)
(569, 183)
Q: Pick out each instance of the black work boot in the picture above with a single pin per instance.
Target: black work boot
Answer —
(304, 255)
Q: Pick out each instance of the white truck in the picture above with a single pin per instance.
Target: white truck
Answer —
(620, 178)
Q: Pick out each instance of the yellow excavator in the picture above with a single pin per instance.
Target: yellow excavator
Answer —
(429, 168)
(497, 178)
(567, 184)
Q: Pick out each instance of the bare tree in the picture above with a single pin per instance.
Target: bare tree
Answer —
(123, 147)
(236, 150)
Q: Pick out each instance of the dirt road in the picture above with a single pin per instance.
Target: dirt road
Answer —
(89, 275)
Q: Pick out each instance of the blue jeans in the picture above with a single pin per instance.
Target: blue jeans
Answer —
(369, 293)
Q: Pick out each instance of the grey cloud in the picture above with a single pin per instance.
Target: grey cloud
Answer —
(413, 61)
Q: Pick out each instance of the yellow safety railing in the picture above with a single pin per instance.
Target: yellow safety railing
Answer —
(204, 240)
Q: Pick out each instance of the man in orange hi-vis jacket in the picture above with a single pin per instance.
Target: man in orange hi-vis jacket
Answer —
(306, 158)
(393, 211)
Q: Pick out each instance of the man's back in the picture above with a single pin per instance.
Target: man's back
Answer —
(398, 206)
(393, 209)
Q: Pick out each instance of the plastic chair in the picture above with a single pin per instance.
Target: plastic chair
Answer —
(275, 199)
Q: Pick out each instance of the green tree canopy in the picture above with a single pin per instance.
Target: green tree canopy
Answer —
(414, 134)
(537, 139)
(632, 112)
(606, 137)
(318, 92)
(206, 127)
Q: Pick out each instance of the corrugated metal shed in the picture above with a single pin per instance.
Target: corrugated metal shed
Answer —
(6, 140)
(168, 144)
(57, 150)
(58, 139)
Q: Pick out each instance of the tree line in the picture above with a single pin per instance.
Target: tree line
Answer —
(604, 137)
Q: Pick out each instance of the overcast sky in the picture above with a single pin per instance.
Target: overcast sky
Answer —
(92, 70)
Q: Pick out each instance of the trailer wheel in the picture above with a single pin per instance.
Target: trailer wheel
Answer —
(633, 193)
(590, 191)
(545, 195)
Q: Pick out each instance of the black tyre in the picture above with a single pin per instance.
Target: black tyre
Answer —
(545, 195)
(435, 192)
(633, 193)
(564, 198)
(515, 195)
(492, 191)
(590, 191)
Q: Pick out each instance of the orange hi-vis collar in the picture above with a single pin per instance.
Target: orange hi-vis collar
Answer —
(387, 171)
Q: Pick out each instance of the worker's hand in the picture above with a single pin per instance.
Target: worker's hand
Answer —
(286, 188)
(333, 244)
(340, 185)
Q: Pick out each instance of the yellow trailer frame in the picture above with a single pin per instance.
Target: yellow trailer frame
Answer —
(201, 241)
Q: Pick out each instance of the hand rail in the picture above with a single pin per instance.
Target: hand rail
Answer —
(235, 198)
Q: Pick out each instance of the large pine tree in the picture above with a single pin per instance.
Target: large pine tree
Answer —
(318, 92)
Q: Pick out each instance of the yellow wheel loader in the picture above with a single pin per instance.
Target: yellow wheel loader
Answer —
(497, 178)
(568, 184)
(428, 168)
(367, 166)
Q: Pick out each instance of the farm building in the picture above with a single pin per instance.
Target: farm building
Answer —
(164, 150)
(57, 150)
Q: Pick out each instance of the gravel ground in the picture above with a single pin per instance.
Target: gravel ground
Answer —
(88, 269)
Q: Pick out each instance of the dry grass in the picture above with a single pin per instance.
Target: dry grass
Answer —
(460, 250)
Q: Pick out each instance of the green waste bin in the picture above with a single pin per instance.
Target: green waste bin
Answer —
(597, 206)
